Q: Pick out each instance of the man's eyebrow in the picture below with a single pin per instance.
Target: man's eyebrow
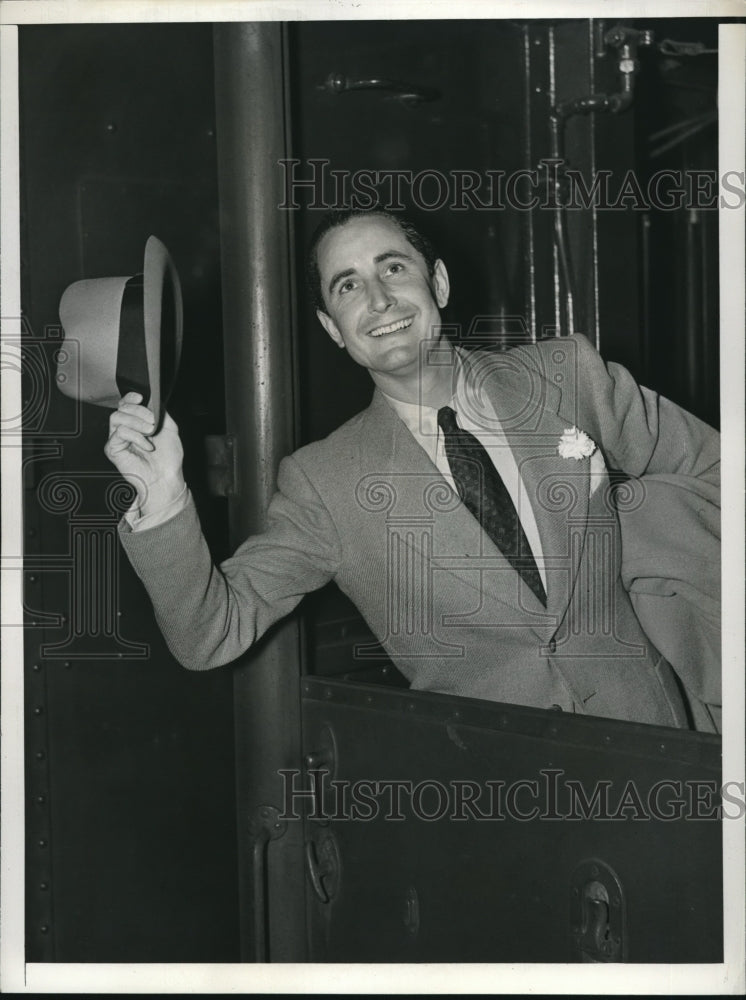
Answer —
(386, 255)
(338, 277)
(393, 253)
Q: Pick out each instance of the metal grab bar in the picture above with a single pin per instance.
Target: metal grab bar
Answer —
(265, 826)
(337, 83)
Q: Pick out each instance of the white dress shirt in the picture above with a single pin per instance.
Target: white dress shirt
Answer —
(422, 421)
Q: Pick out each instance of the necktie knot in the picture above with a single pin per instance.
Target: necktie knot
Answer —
(447, 420)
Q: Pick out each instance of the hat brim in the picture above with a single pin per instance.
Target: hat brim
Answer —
(163, 323)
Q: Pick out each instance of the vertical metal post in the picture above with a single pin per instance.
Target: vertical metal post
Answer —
(258, 322)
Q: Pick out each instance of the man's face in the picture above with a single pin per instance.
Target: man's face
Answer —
(380, 300)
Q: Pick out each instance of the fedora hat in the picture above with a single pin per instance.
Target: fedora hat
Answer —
(123, 335)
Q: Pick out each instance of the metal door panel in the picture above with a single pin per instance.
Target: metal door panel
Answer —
(500, 889)
(130, 816)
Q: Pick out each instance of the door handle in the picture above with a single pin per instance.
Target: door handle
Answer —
(407, 93)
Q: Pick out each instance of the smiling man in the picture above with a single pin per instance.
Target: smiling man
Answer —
(381, 299)
(467, 511)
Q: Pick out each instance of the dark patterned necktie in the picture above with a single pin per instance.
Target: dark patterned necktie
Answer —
(485, 495)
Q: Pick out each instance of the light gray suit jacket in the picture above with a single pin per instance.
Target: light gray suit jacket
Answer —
(367, 508)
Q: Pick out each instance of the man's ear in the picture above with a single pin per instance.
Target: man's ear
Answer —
(441, 284)
(331, 327)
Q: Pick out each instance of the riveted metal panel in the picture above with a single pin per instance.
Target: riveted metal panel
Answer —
(494, 881)
(130, 811)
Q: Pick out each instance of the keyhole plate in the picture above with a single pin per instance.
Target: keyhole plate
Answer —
(597, 913)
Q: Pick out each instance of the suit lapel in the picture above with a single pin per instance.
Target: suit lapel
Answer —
(558, 488)
(420, 505)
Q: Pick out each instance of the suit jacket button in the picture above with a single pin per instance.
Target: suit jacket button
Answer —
(552, 646)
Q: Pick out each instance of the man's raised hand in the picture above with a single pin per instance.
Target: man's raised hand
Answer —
(151, 463)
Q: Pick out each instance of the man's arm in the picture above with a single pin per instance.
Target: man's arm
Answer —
(639, 431)
(209, 615)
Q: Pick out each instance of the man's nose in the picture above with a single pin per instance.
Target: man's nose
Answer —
(379, 296)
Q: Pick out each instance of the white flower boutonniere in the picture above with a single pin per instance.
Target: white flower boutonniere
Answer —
(575, 444)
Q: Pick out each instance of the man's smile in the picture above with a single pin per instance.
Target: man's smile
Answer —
(400, 324)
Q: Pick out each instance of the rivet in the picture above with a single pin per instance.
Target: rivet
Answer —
(328, 693)
(40, 755)
(44, 928)
(44, 886)
(36, 667)
(42, 843)
(457, 714)
(111, 127)
(265, 812)
(67, 665)
(662, 747)
(503, 720)
(607, 739)
(38, 710)
(369, 698)
(41, 799)
(537, 90)
(552, 730)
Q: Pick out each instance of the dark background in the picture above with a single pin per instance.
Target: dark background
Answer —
(131, 774)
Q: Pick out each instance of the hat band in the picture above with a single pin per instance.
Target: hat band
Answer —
(132, 359)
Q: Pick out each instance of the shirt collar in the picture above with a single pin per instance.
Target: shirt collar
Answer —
(422, 420)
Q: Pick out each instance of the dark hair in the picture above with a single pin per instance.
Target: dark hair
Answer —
(335, 219)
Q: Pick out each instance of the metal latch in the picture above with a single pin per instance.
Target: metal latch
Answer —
(323, 865)
(598, 912)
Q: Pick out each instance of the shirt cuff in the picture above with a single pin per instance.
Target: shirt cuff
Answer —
(157, 517)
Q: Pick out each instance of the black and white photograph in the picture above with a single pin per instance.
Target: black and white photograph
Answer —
(372, 418)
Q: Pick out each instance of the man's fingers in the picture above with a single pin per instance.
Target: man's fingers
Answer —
(137, 418)
(133, 409)
(125, 437)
